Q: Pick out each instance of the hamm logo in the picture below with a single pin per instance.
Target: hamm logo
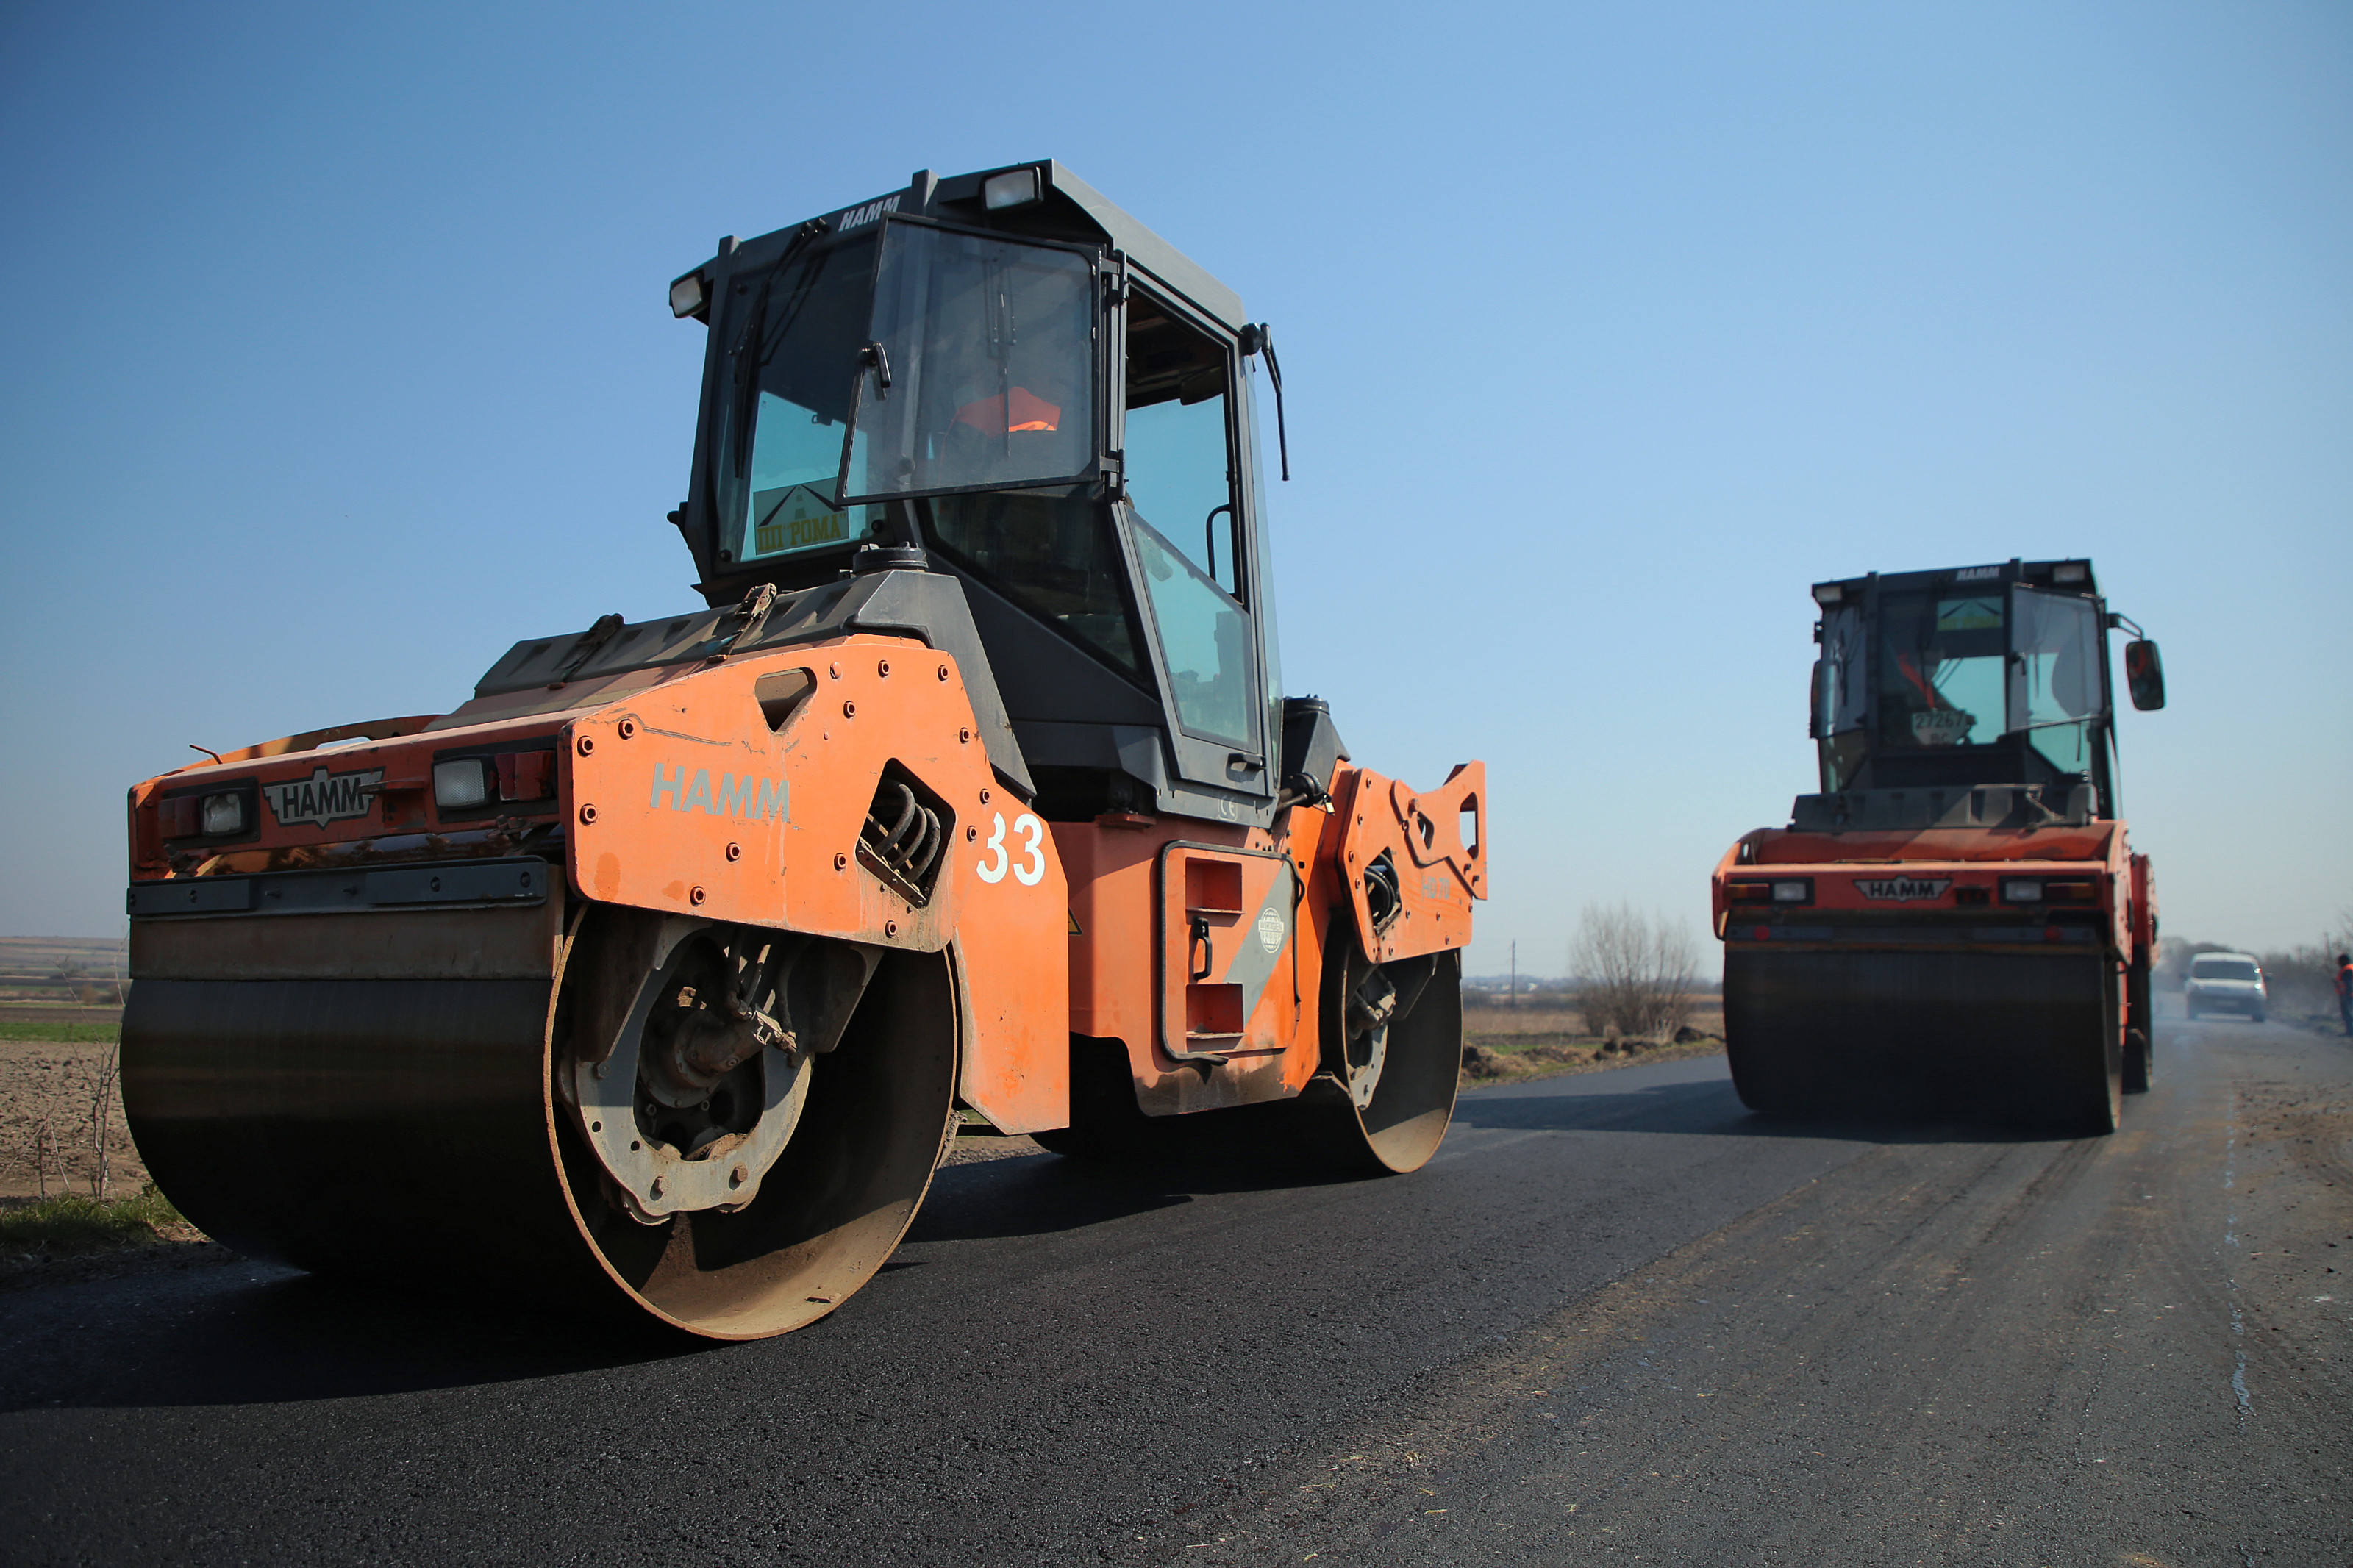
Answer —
(322, 798)
(1903, 889)
(749, 795)
(860, 216)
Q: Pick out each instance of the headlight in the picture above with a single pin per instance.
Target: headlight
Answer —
(686, 296)
(459, 783)
(1789, 890)
(223, 814)
(2049, 890)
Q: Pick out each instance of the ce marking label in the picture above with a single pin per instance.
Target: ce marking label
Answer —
(1032, 868)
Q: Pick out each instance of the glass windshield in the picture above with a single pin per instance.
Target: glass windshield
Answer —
(988, 349)
(1940, 670)
(1204, 638)
(801, 357)
(2055, 679)
(2221, 969)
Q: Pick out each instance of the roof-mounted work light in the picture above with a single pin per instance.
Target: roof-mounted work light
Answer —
(1828, 593)
(1014, 188)
(2070, 572)
(687, 297)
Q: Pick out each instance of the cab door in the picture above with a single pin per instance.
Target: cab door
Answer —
(1186, 512)
(2057, 690)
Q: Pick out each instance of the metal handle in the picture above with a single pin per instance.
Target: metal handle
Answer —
(1209, 957)
(1209, 539)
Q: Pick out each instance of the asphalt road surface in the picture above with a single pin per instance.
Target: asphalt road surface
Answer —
(1618, 1319)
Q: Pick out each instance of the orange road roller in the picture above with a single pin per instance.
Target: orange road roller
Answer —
(654, 977)
(1957, 922)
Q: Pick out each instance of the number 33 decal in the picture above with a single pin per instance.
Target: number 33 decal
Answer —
(1033, 855)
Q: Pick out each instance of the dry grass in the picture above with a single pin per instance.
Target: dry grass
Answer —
(65, 1025)
(74, 1225)
(48, 1090)
(1507, 1043)
(1562, 1023)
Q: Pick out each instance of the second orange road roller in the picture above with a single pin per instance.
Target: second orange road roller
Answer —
(1956, 924)
(653, 977)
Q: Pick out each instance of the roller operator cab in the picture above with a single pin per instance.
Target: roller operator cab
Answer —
(653, 978)
(1955, 921)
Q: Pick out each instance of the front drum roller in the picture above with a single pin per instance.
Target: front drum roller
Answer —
(2026, 1038)
(788, 1101)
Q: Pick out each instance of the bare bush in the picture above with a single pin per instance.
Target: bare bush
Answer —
(103, 1096)
(1635, 972)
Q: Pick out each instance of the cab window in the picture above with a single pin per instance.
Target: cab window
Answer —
(1179, 470)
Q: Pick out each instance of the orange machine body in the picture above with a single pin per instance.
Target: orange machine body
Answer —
(1951, 889)
(681, 797)
(734, 788)
(1201, 947)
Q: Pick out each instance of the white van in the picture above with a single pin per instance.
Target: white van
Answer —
(2226, 983)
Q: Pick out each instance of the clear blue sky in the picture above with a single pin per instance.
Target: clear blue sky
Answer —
(338, 359)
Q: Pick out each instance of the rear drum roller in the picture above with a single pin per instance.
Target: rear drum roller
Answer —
(2140, 1037)
(2091, 1065)
(2071, 1047)
(1765, 1083)
(1393, 1054)
(1790, 1052)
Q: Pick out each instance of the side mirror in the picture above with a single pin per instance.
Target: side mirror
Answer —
(1814, 703)
(2144, 674)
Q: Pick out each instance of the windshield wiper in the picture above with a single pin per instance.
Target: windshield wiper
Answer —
(754, 323)
(747, 365)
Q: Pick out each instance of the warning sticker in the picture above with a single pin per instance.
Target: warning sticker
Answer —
(1270, 930)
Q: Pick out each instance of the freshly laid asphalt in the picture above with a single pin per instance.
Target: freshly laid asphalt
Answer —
(1618, 1318)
